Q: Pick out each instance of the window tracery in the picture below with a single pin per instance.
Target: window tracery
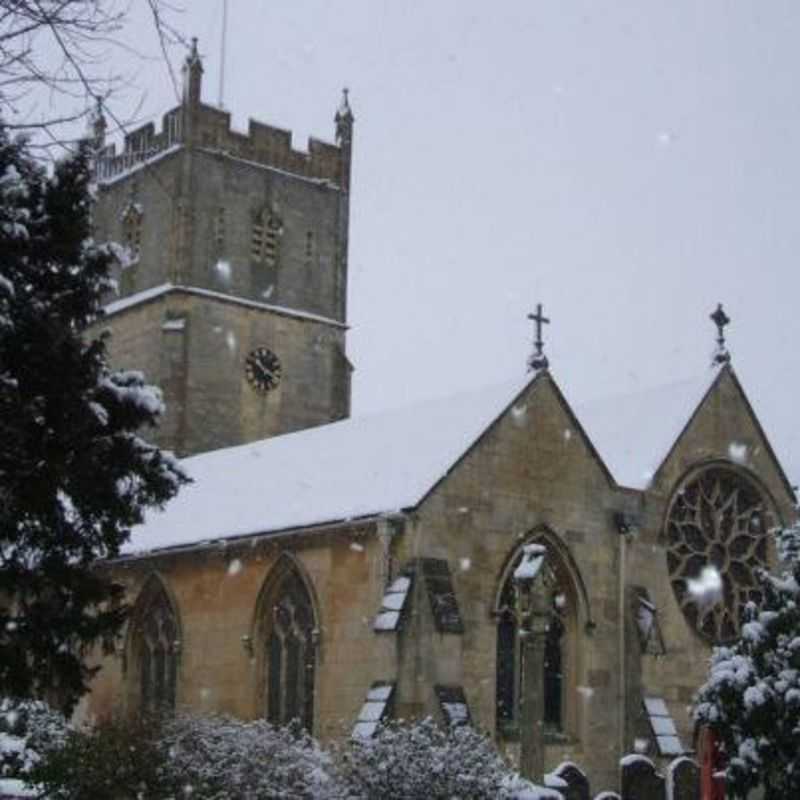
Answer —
(155, 650)
(508, 674)
(716, 535)
(289, 657)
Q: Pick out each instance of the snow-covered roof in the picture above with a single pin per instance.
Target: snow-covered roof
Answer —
(633, 433)
(358, 467)
(384, 463)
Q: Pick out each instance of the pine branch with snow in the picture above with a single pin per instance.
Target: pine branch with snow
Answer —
(752, 696)
(75, 473)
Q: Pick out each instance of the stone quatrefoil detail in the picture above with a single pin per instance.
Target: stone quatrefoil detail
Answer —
(717, 519)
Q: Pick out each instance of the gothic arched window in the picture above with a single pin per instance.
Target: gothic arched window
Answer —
(509, 657)
(287, 639)
(154, 649)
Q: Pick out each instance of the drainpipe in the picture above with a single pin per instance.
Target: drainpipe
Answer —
(623, 547)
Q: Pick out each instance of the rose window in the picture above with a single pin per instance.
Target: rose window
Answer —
(716, 535)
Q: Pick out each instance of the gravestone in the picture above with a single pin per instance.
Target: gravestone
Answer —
(577, 783)
(684, 780)
(640, 781)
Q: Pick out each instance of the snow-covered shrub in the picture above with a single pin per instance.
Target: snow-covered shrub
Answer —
(422, 760)
(752, 697)
(114, 761)
(221, 758)
(28, 730)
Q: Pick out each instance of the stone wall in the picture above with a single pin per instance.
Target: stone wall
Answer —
(531, 472)
(215, 591)
(194, 347)
(676, 675)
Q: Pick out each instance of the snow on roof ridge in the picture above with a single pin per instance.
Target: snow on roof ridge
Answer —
(350, 469)
(388, 461)
(153, 292)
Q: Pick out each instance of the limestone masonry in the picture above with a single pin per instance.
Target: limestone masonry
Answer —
(346, 574)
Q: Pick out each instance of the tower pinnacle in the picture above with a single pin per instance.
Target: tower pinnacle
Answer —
(344, 119)
(98, 125)
(192, 75)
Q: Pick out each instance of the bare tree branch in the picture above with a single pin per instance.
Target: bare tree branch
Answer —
(87, 35)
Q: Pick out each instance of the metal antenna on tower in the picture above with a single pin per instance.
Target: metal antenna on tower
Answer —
(222, 47)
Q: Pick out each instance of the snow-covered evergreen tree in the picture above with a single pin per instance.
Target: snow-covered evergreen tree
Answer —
(752, 696)
(75, 474)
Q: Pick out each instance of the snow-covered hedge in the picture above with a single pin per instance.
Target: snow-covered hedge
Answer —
(221, 758)
(423, 760)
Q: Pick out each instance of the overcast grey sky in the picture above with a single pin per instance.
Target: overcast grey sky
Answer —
(628, 164)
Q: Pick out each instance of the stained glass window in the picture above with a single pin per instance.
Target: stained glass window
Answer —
(508, 673)
(155, 648)
(716, 536)
(289, 657)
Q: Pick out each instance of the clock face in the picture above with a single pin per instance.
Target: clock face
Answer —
(263, 369)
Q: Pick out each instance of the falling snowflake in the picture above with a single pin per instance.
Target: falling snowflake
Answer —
(465, 564)
(707, 587)
(235, 567)
(223, 271)
(737, 451)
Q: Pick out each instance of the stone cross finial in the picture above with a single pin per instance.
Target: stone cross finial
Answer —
(720, 319)
(538, 359)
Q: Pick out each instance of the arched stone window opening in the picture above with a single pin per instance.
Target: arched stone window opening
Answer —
(132, 218)
(559, 650)
(288, 648)
(265, 239)
(154, 650)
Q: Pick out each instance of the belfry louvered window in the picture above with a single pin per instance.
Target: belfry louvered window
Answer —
(265, 239)
(289, 655)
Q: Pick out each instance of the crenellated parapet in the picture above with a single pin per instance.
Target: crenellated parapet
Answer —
(198, 125)
(266, 145)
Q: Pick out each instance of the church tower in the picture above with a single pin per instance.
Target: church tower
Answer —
(233, 270)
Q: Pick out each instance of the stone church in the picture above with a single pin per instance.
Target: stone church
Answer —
(347, 571)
